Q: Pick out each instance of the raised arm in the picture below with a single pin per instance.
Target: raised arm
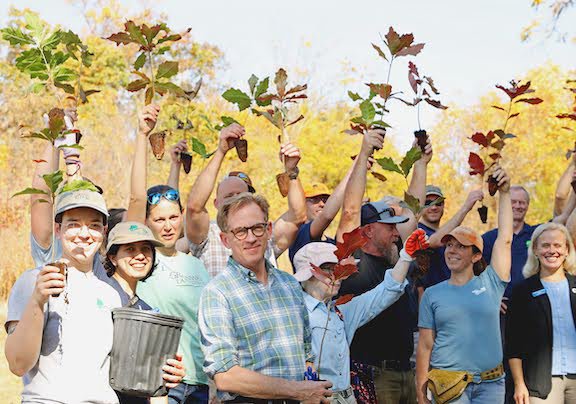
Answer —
(356, 186)
(41, 212)
(137, 205)
(286, 226)
(197, 219)
(501, 254)
(564, 188)
(176, 163)
(457, 219)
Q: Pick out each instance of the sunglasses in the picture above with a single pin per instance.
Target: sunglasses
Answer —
(317, 199)
(171, 195)
(433, 202)
(244, 177)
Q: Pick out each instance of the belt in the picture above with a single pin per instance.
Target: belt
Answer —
(397, 365)
(492, 374)
(344, 393)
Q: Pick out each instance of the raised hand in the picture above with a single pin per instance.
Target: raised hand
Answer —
(148, 118)
(228, 135)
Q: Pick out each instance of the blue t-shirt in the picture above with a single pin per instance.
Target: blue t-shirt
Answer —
(302, 238)
(520, 243)
(438, 270)
(466, 320)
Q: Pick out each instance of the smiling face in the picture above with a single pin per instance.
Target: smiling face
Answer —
(434, 213)
(459, 257)
(81, 233)
(248, 252)
(165, 220)
(551, 250)
(133, 261)
(520, 204)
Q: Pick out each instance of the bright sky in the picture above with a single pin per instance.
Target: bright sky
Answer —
(470, 45)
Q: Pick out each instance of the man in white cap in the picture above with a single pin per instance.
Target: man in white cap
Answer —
(333, 359)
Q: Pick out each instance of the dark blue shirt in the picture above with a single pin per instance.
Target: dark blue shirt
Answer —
(520, 243)
(302, 238)
(438, 271)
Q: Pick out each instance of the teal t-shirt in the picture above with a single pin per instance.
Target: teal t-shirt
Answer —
(466, 320)
(174, 289)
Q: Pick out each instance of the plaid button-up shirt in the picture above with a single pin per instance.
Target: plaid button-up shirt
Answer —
(259, 327)
(215, 255)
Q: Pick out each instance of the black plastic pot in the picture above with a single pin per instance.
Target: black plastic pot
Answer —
(143, 341)
(421, 136)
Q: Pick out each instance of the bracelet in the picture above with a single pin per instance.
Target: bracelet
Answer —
(294, 173)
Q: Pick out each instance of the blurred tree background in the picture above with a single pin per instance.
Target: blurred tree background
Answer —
(108, 122)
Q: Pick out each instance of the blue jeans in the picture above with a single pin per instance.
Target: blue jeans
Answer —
(483, 393)
(188, 394)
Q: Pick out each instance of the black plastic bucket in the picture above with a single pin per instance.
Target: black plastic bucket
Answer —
(143, 341)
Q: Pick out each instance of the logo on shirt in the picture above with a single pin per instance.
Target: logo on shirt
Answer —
(479, 291)
(185, 280)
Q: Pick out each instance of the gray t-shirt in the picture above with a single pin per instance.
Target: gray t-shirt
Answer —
(73, 365)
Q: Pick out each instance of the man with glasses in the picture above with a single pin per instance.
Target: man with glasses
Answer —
(254, 325)
(204, 235)
(430, 223)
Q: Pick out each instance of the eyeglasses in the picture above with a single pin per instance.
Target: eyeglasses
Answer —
(257, 230)
(317, 199)
(74, 228)
(171, 195)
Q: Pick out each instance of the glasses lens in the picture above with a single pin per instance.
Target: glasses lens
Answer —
(259, 229)
(240, 233)
(172, 195)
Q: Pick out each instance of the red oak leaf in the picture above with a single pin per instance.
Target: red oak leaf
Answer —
(476, 164)
(344, 271)
(351, 242)
(480, 139)
(532, 101)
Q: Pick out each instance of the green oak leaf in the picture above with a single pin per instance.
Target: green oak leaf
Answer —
(166, 70)
(368, 111)
(140, 60)
(389, 165)
(409, 159)
(30, 191)
(237, 97)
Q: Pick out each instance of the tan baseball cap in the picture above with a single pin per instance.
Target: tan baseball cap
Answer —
(316, 253)
(465, 236)
(315, 189)
(80, 199)
(131, 232)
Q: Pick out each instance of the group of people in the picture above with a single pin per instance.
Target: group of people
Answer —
(492, 317)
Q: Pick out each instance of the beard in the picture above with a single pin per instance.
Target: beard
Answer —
(391, 253)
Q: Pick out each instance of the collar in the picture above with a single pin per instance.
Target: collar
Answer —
(524, 228)
(312, 303)
(248, 274)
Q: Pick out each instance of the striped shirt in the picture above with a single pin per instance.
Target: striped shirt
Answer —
(263, 328)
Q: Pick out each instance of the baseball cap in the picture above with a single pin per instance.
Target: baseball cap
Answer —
(465, 236)
(131, 232)
(317, 253)
(80, 199)
(244, 177)
(434, 190)
(315, 189)
(380, 212)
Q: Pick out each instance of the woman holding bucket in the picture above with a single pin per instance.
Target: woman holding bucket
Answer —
(459, 356)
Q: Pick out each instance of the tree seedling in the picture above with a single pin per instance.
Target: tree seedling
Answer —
(243, 101)
(185, 125)
(423, 88)
(372, 112)
(153, 41)
(44, 55)
(493, 142)
(278, 112)
(342, 270)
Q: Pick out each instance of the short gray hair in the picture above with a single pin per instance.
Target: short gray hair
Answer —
(233, 203)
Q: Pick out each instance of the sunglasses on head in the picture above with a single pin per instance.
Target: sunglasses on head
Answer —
(171, 195)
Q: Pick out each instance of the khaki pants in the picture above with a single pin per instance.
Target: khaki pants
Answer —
(563, 392)
(395, 387)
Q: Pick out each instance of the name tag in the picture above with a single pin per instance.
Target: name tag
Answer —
(539, 293)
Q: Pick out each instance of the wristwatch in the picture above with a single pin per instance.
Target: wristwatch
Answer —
(293, 174)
